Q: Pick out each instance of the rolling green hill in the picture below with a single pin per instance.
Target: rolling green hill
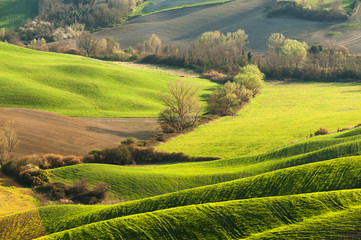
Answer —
(14, 12)
(77, 86)
(226, 220)
(324, 176)
(284, 112)
(131, 183)
(321, 186)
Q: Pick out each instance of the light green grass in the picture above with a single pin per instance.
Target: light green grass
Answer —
(13, 13)
(283, 113)
(79, 86)
(155, 6)
(223, 220)
(323, 4)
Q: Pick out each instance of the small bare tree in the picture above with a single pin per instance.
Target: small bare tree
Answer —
(86, 42)
(182, 107)
(8, 142)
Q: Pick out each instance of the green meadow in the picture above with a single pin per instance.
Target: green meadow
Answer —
(283, 113)
(13, 13)
(78, 86)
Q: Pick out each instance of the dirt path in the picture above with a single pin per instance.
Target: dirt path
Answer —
(44, 132)
(178, 72)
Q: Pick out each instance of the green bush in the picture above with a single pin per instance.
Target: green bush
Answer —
(251, 78)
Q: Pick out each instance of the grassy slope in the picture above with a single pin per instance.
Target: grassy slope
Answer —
(281, 114)
(138, 182)
(223, 220)
(14, 198)
(78, 86)
(14, 12)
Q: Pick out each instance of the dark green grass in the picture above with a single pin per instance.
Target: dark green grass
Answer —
(329, 175)
(336, 174)
(335, 225)
(13, 13)
(79, 86)
(223, 220)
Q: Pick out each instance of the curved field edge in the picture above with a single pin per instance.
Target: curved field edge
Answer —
(151, 7)
(223, 220)
(337, 174)
(131, 183)
(283, 113)
(78, 86)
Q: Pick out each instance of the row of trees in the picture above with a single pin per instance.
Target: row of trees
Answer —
(212, 51)
(289, 58)
(92, 13)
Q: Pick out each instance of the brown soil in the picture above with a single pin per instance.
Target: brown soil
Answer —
(43, 132)
(185, 25)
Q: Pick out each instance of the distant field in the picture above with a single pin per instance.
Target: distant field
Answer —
(181, 26)
(78, 86)
(323, 4)
(283, 113)
(14, 12)
(152, 6)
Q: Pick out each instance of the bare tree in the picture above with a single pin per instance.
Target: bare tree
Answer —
(86, 42)
(8, 142)
(182, 107)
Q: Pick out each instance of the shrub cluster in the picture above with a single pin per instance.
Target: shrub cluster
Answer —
(131, 154)
(321, 131)
(79, 192)
(294, 9)
(30, 171)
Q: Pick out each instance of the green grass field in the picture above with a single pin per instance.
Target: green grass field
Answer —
(78, 86)
(283, 113)
(15, 12)
(131, 183)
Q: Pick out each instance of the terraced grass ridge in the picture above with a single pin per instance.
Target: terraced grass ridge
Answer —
(318, 181)
(130, 183)
(15, 12)
(78, 86)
